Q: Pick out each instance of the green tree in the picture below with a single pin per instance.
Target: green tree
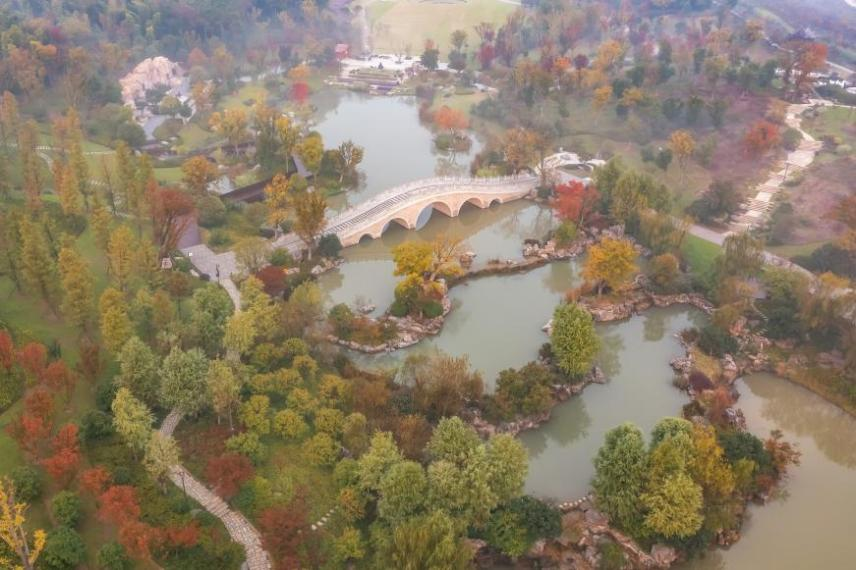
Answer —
(65, 507)
(374, 464)
(138, 371)
(290, 425)
(255, 414)
(349, 546)
(574, 340)
(183, 381)
(64, 549)
(132, 419)
(240, 333)
(674, 507)
(403, 491)
(620, 471)
(429, 541)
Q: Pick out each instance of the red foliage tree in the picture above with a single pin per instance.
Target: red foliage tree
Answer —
(118, 505)
(89, 365)
(283, 532)
(63, 464)
(137, 538)
(761, 137)
(486, 55)
(227, 473)
(33, 358)
(185, 536)
(94, 480)
(171, 211)
(273, 280)
(39, 402)
(300, 92)
(30, 433)
(58, 377)
(7, 351)
(576, 202)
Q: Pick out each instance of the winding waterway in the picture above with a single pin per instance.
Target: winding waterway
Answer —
(497, 321)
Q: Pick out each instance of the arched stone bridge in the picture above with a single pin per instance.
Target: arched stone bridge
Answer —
(403, 204)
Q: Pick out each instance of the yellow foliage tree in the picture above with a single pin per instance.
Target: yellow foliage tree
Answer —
(682, 144)
(611, 263)
(13, 533)
(197, 172)
(277, 199)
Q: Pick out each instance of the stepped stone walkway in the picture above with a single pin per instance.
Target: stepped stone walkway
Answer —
(239, 528)
(756, 209)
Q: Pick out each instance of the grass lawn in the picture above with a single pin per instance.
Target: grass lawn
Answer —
(239, 99)
(193, 136)
(460, 101)
(699, 254)
(789, 251)
(836, 121)
(402, 26)
(168, 175)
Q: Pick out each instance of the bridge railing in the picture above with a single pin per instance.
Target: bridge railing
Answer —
(420, 188)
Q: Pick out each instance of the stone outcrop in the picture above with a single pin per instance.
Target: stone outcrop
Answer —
(561, 393)
(608, 310)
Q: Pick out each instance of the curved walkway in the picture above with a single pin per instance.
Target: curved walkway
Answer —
(239, 528)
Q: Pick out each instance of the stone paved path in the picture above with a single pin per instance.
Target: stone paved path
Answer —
(239, 528)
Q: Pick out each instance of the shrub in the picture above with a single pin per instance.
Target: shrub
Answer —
(96, 425)
(219, 238)
(248, 444)
(341, 317)
(611, 556)
(112, 556)
(329, 246)
(27, 482)
(565, 234)
(211, 211)
(64, 549)
(716, 342)
(545, 192)
(432, 309)
(322, 449)
(281, 257)
(66, 508)
(398, 308)
(791, 138)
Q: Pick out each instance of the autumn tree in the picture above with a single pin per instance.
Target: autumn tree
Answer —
(78, 288)
(519, 147)
(197, 173)
(451, 120)
(223, 389)
(116, 327)
(309, 210)
(38, 267)
(132, 419)
(350, 156)
(682, 145)
(62, 464)
(576, 202)
(283, 531)
(171, 212)
(278, 200)
(118, 505)
(573, 339)
(160, 455)
(231, 124)
(761, 137)
(610, 262)
(59, 378)
(14, 533)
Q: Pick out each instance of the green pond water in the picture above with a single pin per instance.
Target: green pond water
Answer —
(496, 321)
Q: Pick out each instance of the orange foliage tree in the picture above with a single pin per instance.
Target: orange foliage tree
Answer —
(576, 202)
(63, 464)
(450, 120)
(227, 473)
(171, 215)
(760, 138)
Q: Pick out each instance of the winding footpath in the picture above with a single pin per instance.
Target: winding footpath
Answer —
(239, 528)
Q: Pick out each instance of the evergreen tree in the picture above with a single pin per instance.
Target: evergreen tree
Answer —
(183, 380)
(132, 419)
(574, 340)
(620, 470)
(139, 371)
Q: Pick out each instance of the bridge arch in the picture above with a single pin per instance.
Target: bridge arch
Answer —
(397, 221)
(477, 202)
